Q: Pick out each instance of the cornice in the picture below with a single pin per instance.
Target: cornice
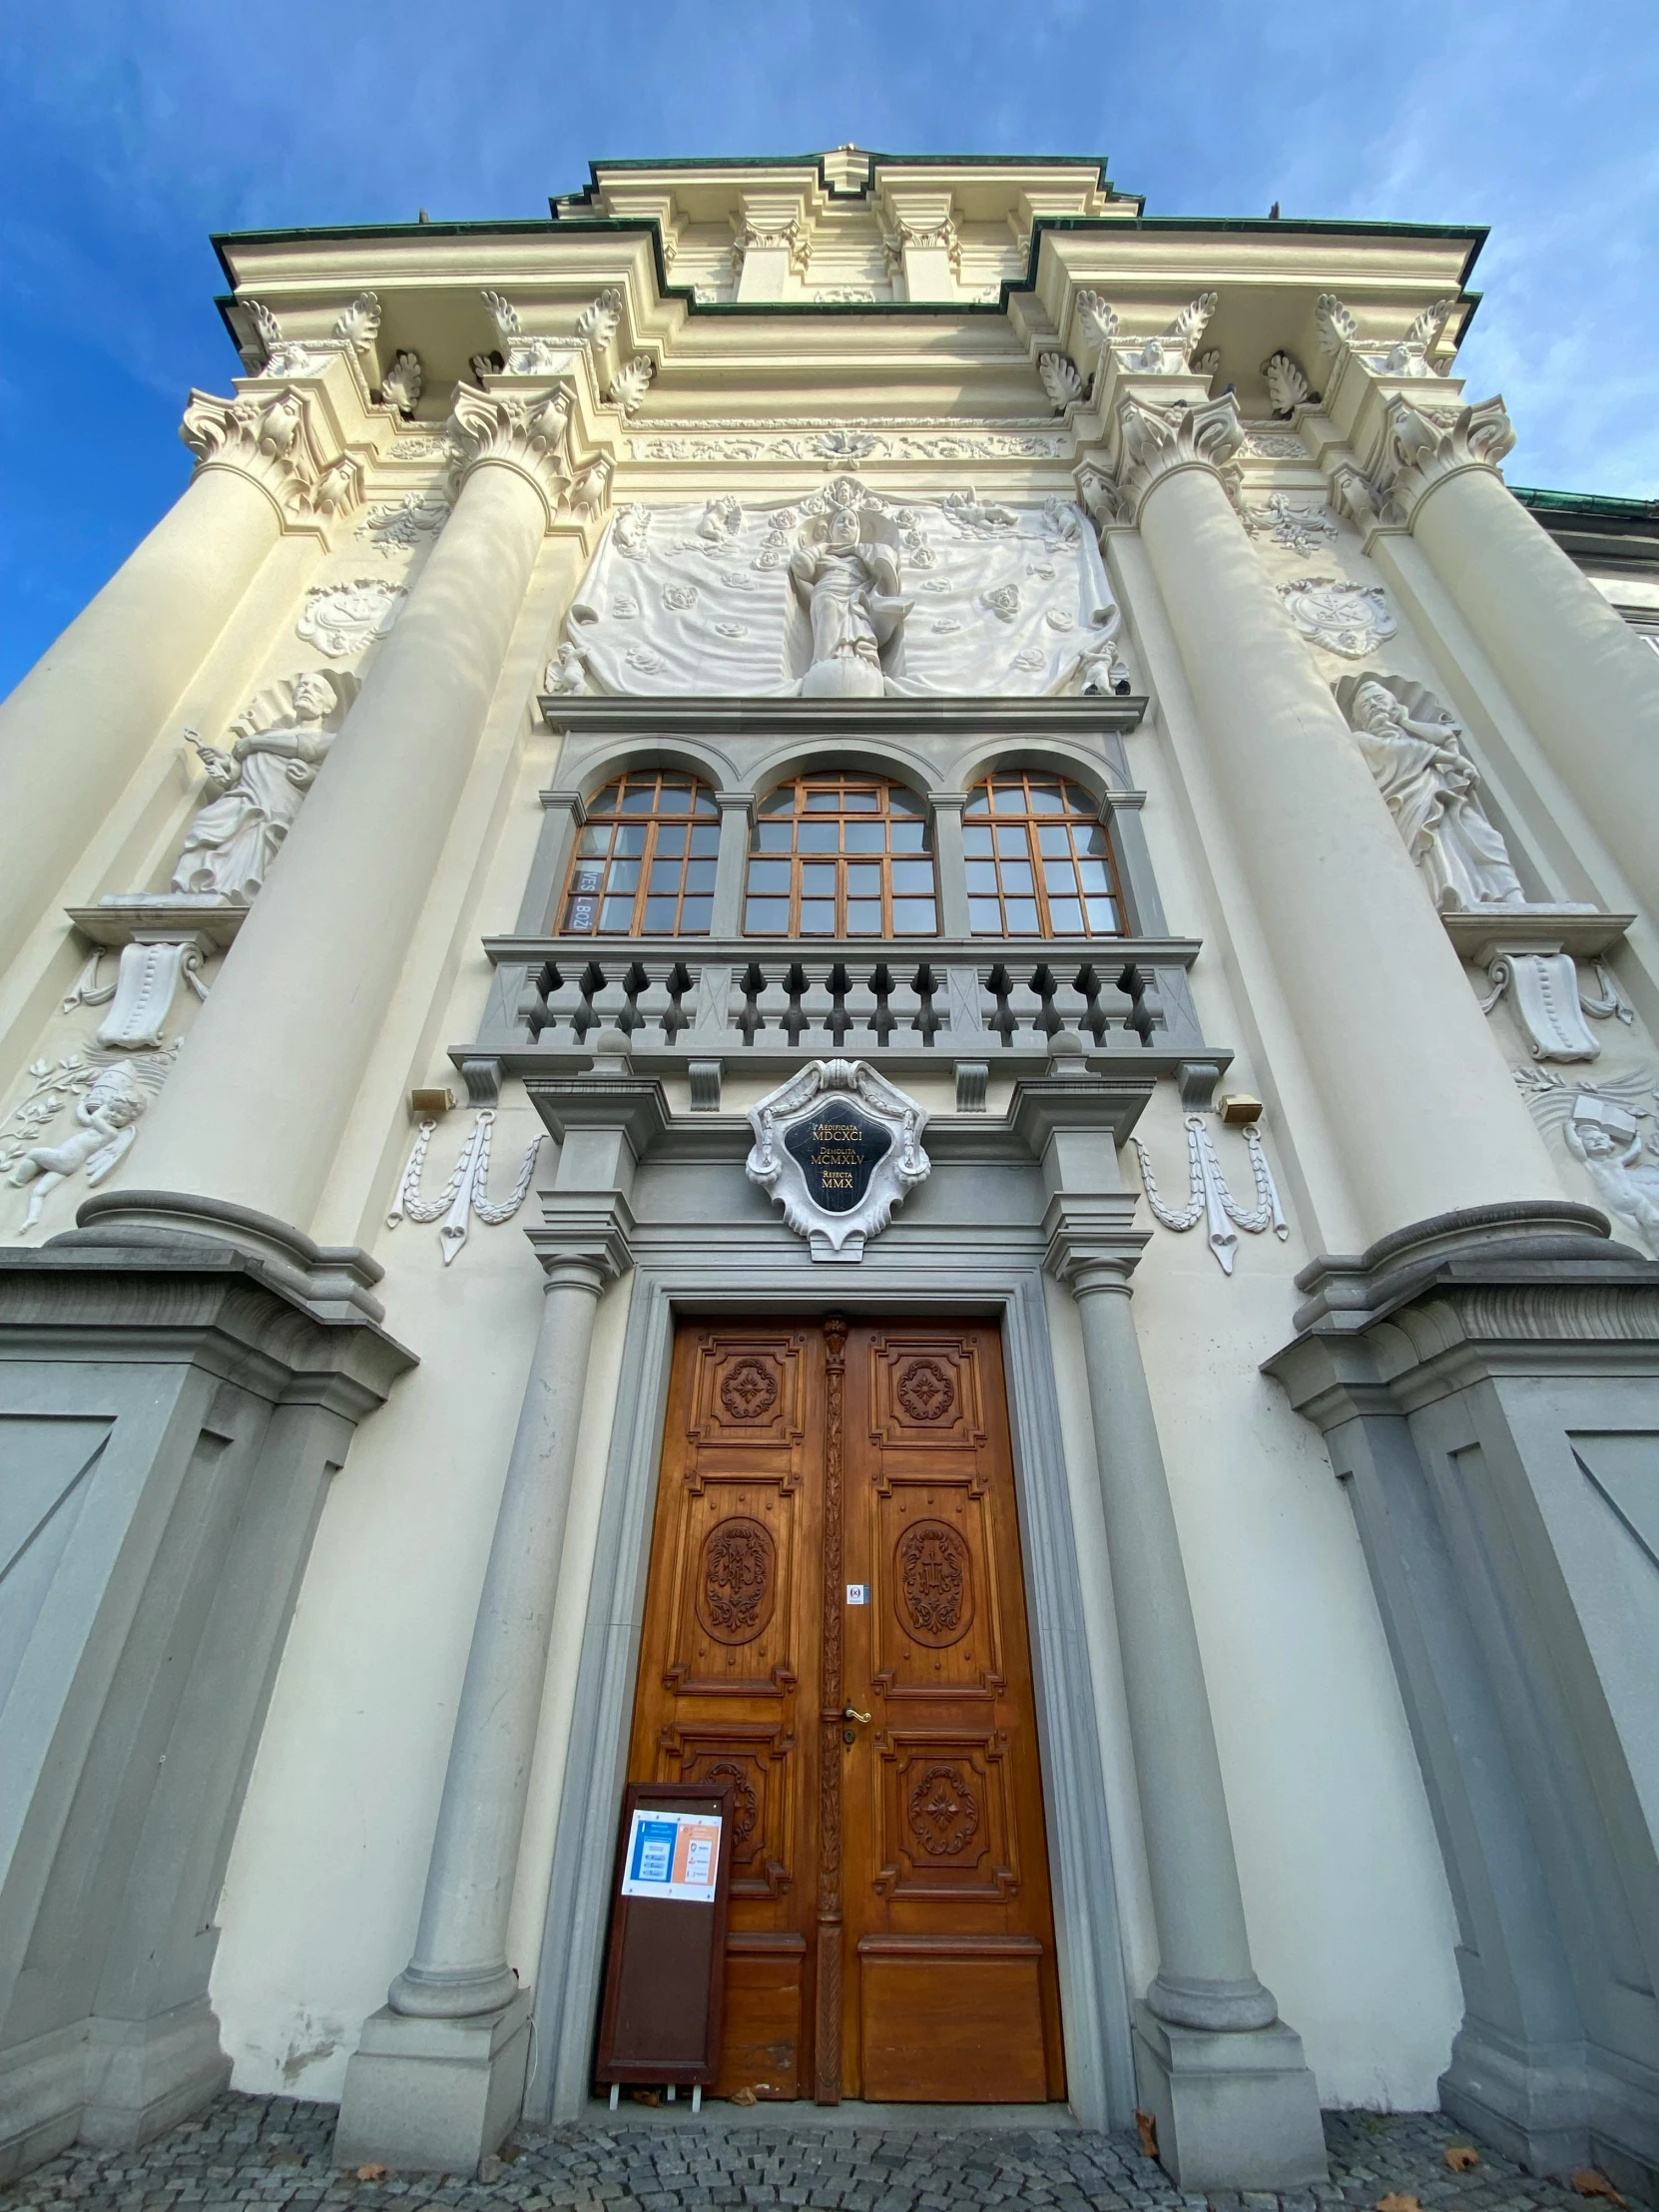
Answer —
(846, 720)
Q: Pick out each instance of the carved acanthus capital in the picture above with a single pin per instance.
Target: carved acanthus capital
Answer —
(527, 435)
(271, 440)
(792, 238)
(1155, 442)
(1424, 446)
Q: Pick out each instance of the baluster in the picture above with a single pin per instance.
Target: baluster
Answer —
(861, 1009)
(611, 1007)
(907, 1007)
(654, 1008)
(1070, 1006)
(563, 1003)
(817, 1010)
(771, 1005)
(1026, 1010)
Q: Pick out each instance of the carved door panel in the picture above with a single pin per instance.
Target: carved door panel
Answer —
(730, 1638)
(890, 1931)
(951, 1991)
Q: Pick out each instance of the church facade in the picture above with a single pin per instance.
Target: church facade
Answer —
(840, 982)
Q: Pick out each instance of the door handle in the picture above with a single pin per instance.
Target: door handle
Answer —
(852, 1713)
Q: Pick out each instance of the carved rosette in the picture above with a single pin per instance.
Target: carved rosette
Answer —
(273, 440)
(1155, 442)
(525, 435)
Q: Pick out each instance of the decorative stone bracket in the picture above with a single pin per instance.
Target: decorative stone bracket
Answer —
(1532, 954)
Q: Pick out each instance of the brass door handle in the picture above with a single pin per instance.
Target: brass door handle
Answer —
(852, 1713)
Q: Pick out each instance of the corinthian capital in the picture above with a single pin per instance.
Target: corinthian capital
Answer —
(273, 440)
(1424, 446)
(523, 434)
(1154, 442)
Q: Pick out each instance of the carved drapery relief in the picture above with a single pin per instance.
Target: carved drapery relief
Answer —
(1208, 1198)
(465, 1195)
(842, 592)
(339, 619)
(279, 742)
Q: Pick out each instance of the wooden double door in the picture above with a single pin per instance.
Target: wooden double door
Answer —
(835, 1626)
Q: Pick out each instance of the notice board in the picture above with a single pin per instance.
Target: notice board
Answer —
(665, 1973)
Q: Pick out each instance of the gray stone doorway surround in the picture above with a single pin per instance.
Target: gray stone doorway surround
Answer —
(683, 1273)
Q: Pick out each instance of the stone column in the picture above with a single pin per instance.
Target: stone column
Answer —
(1588, 685)
(737, 814)
(80, 722)
(949, 863)
(1224, 2076)
(438, 2077)
(255, 1111)
(1424, 1108)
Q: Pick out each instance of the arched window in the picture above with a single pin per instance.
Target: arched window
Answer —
(840, 855)
(1038, 864)
(645, 860)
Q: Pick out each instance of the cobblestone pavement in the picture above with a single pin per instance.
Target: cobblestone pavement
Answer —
(275, 2151)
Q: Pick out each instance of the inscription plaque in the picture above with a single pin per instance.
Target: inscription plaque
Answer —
(840, 1147)
(839, 1151)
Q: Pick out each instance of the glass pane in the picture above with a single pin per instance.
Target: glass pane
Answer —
(911, 836)
(860, 803)
(700, 876)
(913, 875)
(823, 802)
(766, 916)
(704, 839)
(1008, 799)
(660, 916)
(617, 914)
(624, 876)
(1053, 836)
(694, 917)
(978, 802)
(1045, 798)
(818, 837)
(671, 838)
(1060, 877)
(769, 875)
(579, 915)
(675, 795)
(630, 841)
(770, 836)
(1023, 918)
(985, 917)
(706, 801)
(981, 877)
(588, 875)
(864, 878)
(1090, 840)
(977, 840)
(596, 839)
(866, 836)
(639, 799)
(1094, 875)
(1065, 918)
(1016, 878)
(817, 917)
(606, 800)
(914, 917)
(817, 879)
(1103, 915)
(1012, 841)
(1078, 800)
(780, 802)
(864, 917)
(665, 877)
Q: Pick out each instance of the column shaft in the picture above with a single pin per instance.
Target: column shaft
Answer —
(1589, 686)
(1205, 1977)
(461, 1965)
(80, 722)
(271, 1067)
(1425, 1110)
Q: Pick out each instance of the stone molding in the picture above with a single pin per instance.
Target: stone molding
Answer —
(333, 1282)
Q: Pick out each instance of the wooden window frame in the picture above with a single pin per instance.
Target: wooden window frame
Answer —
(611, 813)
(1028, 819)
(797, 860)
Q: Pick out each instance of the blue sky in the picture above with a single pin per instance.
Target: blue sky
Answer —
(131, 129)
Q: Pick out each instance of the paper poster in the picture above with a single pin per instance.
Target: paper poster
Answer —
(672, 1855)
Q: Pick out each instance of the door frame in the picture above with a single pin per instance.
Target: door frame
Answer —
(683, 1276)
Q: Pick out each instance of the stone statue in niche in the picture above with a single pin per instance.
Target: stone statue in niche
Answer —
(846, 574)
(1411, 745)
(259, 787)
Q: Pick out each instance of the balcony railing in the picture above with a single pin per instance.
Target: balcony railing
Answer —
(699, 1006)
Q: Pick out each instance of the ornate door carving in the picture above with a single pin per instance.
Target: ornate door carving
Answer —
(891, 1934)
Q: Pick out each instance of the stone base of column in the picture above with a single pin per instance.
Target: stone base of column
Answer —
(434, 2096)
(144, 2075)
(1529, 2103)
(1234, 2112)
